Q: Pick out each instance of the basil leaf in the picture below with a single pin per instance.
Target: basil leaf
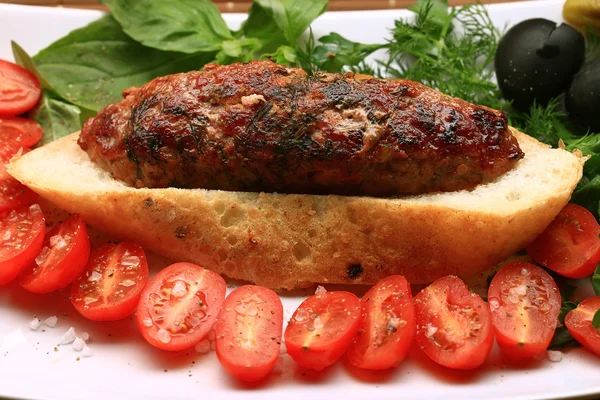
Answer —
(596, 280)
(25, 61)
(186, 26)
(283, 55)
(56, 118)
(588, 195)
(596, 320)
(241, 50)
(561, 337)
(337, 52)
(291, 17)
(261, 25)
(91, 66)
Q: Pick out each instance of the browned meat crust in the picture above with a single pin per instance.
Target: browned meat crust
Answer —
(264, 127)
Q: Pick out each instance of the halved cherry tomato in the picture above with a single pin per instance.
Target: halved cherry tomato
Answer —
(388, 325)
(180, 306)
(248, 332)
(570, 245)
(19, 89)
(322, 328)
(525, 302)
(20, 131)
(62, 259)
(454, 325)
(579, 324)
(110, 287)
(13, 194)
(21, 238)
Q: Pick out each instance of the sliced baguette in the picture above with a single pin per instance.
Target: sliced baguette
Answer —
(285, 241)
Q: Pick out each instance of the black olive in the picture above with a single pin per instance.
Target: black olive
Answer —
(536, 60)
(583, 97)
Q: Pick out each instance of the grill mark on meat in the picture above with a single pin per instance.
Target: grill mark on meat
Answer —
(264, 127)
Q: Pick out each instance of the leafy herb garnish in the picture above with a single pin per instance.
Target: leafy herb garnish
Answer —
(596, 281)
(562, 337)
(596, 320)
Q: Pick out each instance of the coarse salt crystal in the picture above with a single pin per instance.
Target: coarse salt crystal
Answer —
(129, 260)
(61, 243)
(179, 289)
(7, 235)
(494, 303)
(86, 352)
(163, 335)
(431, 330)
(69, 336)
(127, 283)
(35, 208)
(51, 321)
(318, 323)
(555, 356)
(320, 291)
(34, 324)
(147, 322)
(12, 216)
(41, 258)
(84, 336)
(203, 346)
(525, 272)
(95, 276)
(78, 344)
(396, 323)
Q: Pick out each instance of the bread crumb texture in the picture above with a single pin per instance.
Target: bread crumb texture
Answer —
(284, 241)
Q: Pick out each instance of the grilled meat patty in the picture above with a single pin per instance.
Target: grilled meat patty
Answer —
(265, 127)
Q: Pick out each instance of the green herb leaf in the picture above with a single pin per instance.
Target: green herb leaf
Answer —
(337, 52)
(25, 61)
(428, 49)
(596, 281)
(283, 55)
(261, 25)
(56, 118)
(91, 66)
(186, 26)
(588, 195)
(235, 50)
(596, 320)
(562, 336)
(291, 18)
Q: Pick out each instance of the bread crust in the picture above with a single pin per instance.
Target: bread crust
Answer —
(284, 241)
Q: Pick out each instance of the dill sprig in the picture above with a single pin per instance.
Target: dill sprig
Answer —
(451, 50)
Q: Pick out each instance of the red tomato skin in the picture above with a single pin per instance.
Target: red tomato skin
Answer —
(506, 315)
(20, 132)
(363, 352)
(245, 364)
(570, 245)
(12, 266)
(579, 324)
(214, 288)
(24, 92)
(13, 194)
(451, 290)
(321, 355)
(66, 269)
(115, 310)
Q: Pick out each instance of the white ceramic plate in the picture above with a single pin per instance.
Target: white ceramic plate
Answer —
(124, 366)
